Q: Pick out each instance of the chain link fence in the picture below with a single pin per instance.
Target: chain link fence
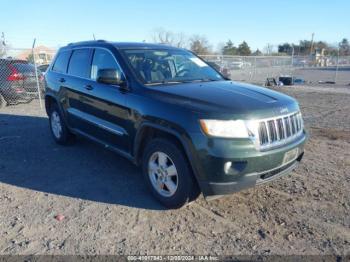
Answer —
(22, 73)
(256, 69)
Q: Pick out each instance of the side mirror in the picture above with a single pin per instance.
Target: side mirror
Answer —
(109, 76)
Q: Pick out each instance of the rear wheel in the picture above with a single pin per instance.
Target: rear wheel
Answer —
(58, 127)
(168, 174)
(3, 102)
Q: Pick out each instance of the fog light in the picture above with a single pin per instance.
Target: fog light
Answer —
(227, 167)
(234, 168)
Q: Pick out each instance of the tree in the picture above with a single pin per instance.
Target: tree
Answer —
(322, 45)
(257, 52)
(229, 49)
(244, 49)
(344, 47)
(304, 47)
(200, 45)
(162, 36)
(285, 48)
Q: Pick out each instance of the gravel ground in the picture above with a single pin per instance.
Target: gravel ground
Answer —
(108, 210)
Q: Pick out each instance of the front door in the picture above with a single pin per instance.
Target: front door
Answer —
(101, 111)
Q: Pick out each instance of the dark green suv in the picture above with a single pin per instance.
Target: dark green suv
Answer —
(168, 111)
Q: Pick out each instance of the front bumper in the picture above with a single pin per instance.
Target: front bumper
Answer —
(249, 180)
(248, 167)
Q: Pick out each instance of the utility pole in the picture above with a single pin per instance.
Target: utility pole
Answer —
(312, 43)
(3, 38)
(292, 58)
(93, 35)
(3, 44)
(337, 67)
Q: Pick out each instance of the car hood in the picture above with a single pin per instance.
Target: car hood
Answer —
(228, 97)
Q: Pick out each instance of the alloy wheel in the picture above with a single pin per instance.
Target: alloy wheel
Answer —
(56, 125)
(163, 174)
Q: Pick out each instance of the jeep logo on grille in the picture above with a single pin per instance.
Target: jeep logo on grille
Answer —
(283, 110)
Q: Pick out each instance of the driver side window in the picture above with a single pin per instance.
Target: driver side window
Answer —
(102, 60)
(183, 65)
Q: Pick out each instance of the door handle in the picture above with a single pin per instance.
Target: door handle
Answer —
(89, 87)
(61, 80)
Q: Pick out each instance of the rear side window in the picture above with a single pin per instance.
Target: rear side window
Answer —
(79, 64)
(61, 62)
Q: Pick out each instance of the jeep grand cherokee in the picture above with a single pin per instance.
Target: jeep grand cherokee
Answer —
(165, 109)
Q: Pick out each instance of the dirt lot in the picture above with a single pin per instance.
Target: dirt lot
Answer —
(108, 210)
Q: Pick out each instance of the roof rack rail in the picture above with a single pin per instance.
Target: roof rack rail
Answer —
(89, 41)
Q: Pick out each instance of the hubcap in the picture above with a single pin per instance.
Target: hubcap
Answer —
(56, 125)
(163, 174)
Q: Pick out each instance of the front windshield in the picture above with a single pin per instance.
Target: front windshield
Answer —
(169, 66)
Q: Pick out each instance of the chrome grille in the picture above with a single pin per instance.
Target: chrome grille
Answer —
(263, 133)
(281, 134)
(279, 130)
(272, 130)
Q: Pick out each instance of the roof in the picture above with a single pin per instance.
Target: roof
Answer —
(122, 45)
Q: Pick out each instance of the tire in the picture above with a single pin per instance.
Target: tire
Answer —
(3, 102)
(58, 127)
(167, 174)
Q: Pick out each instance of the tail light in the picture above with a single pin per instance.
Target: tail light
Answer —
(41, 78)
(15, 75)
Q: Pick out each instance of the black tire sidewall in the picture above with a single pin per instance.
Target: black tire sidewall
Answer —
(186, 183)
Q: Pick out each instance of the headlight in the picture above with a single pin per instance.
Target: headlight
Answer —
(225, 128)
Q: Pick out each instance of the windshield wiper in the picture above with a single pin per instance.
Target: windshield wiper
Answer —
(164, 82)
(200, 80)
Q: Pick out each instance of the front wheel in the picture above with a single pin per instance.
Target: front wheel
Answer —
(168, 174)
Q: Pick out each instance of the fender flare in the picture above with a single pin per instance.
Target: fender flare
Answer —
(58, 105)
(185, 145)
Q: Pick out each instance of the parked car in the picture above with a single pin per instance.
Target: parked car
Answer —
(18, 82)
(237, 63)
(169, 112)
(223, 70)
(43, 68)
(300, 62)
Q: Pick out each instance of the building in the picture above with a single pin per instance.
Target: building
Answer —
(42, 54)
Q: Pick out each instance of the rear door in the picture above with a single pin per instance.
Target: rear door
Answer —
(57, 79)
(76, 89)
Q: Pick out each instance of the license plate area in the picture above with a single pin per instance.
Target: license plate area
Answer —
(290, 156)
